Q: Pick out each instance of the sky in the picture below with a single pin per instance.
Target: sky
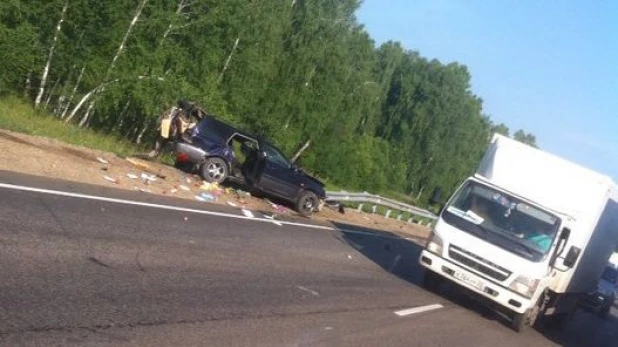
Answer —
(548, 67)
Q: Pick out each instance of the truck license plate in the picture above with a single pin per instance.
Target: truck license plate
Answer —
(469, 280)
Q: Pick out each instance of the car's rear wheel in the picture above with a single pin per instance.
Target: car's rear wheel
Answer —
(214, 170)
(307, 203)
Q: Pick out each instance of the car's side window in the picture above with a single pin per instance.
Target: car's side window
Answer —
(275, 157)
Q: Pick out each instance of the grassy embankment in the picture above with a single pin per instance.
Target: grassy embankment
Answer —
(19, 116)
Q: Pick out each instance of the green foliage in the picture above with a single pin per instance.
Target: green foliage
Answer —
(379, 119)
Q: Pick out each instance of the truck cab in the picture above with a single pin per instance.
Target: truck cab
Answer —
(529, 233)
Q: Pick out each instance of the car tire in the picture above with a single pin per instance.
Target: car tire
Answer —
(214, 170)
(307, 203)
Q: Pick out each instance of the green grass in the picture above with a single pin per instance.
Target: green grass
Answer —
(19, 116)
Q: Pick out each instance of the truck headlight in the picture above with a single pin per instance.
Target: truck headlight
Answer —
(434, 245)
(525, 286)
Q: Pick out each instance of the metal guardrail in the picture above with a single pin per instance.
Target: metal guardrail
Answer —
(365, 197)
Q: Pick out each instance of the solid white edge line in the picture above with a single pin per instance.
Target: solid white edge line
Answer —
(182, 209)
(147, 204)
(416, 310)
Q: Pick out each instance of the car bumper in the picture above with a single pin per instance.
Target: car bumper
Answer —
(489, 290)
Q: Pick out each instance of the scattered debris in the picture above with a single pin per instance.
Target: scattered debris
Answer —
(269, 217)
(185, 188)
(140, 164)
(173, 191)
(110, 179)
(248, 213)
(186, 219)
(144, 190)
(149, 178)
(206, 197)
(132, 176)
(349, 256)
(305, 289)
(232, 204)
(102, 160)
(104, 168)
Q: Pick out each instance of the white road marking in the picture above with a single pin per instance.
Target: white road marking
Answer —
(305, 289)
(182, 209)
(420, 309)
(151, 205)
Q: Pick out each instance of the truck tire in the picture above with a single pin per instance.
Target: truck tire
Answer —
(519, 321)
(214, 170)
(431, 280)
(307, 203)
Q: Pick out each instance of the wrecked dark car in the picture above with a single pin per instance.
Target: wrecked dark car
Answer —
(220, 153)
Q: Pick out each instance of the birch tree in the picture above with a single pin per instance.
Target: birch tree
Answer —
(52, 48)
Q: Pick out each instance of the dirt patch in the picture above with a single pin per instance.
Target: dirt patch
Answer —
(52, 158)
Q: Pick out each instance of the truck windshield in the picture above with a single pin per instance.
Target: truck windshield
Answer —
(503, 220)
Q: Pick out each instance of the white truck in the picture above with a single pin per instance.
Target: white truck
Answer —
(530, 232)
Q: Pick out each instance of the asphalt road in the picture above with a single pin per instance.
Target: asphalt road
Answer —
(81, 272)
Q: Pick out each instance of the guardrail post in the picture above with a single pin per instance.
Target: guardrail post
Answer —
(399, 217)
(420, 222)
(360, 208)
(388, 213)
(410, 220)
(374, 208)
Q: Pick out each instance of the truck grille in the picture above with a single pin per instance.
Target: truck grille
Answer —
(478, 264)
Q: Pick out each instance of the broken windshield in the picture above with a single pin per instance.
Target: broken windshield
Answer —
(517, 226)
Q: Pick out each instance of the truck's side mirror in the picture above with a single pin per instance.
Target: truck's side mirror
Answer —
(571, 257)
(564, 237)
(562, 241)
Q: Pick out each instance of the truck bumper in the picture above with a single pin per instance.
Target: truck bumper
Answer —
(487, 289)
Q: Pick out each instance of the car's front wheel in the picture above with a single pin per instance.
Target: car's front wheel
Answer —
(307, 203)
(214, 170)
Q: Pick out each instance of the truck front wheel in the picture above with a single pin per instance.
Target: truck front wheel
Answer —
(520, 321)
(431, 280)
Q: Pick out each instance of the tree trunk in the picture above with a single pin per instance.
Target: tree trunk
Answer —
(52, 48)
(229, 58)
(50, 94)
(66, 108)
(84, 99)
(300, 151)
(120, 49)
(141, 133)
(123, 114)
(181, 5)
(28, 85)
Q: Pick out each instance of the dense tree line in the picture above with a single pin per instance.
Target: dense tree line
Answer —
(379, 119)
